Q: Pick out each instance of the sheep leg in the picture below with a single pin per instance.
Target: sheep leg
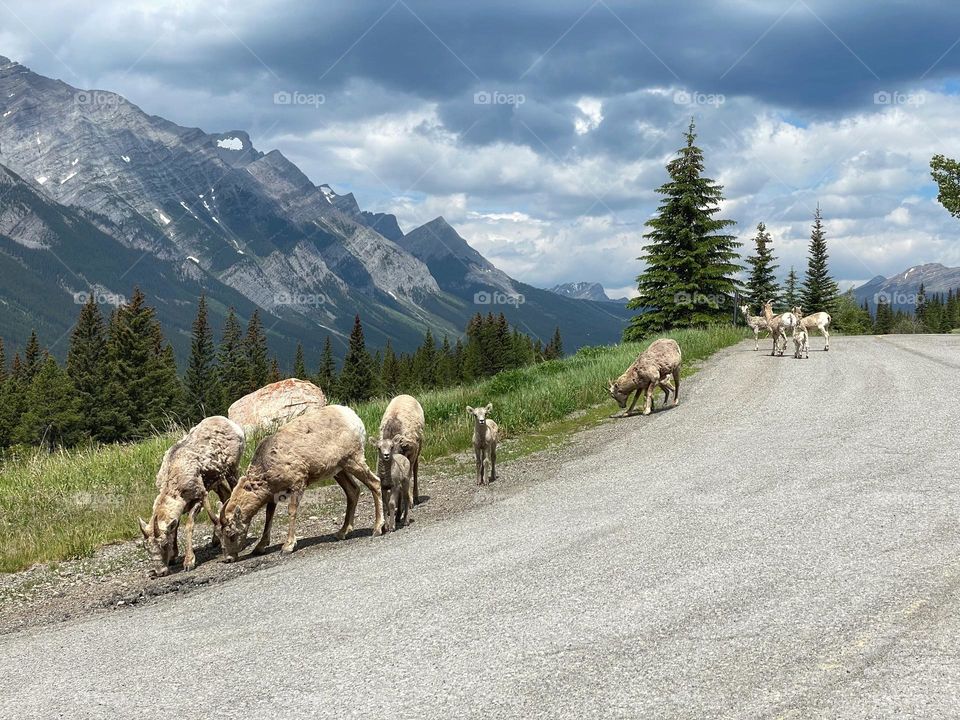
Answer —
(360, 471)
(648, 403)
(291, 542)
(756, 339)
(636, 396)
(264, 541)
(189, 559)
(352, 492)
(666, 391)
(826, 337)
(478, 453)
(493, 462)
(406, 501)
(415, 497)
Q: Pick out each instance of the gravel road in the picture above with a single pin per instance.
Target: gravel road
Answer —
(784, 543)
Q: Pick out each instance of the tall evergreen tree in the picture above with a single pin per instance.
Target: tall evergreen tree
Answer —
(327, 374)
(690, 260)
(257, 354)
(791, 292)
(883, 324)
(299, 364)
(89, 369)
(202, 381)
(274, 374)
(51, 417)
(357, 382)
(762, 283)
(390, 374)
(232, 362)
(32, 357)
(920, 311)
(554, 349)
(820, 292)
(3, 363)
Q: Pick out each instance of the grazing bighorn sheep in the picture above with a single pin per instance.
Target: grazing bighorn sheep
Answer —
(649, 371)
(801, 346)
(396, 487)
(206, 458)
(756, 323)
(322, 443)
(403, 421)
(819, 320)
(485, 437)
(778, 324)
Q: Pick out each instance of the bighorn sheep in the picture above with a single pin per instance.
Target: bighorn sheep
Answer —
(396, 488)
(485, 437)
(650, 370)
(322, 443)
(778, 325)
(819, 320)
(403, 422)
(206, 458)
(801, 346)
(757, 323)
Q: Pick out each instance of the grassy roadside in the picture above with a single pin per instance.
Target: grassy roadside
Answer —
(66, 504)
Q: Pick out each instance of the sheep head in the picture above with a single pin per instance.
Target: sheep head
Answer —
(480, 413)
(160, 542)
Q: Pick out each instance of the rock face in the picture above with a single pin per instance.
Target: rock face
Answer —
(276, 404)
(583, 291)
(900, 291)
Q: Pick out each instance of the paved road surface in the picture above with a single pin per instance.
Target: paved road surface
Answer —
(783, 544)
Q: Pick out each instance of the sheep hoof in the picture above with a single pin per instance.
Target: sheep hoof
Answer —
(342, 533)
(258, 550)
(189, 564)
(288, 547)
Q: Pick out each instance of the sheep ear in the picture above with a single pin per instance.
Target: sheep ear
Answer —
(489, 407)
(469, 409)
(143, 527)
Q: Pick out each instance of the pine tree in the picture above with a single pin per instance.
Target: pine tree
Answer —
(232, 361)
(299, 364)
(32, 357)
(690, 261)
(201, 381)
(3, 363)
(52, 414)
(327, 374)
(356, 382)
(424, 362)
(257, 354)
(820, 292)
(920, 313)
(883, 324)
(762, 283)
(446, 365)
(89, 369)
(390, 374)
(791, 294)
(554, 349)
(274, 373)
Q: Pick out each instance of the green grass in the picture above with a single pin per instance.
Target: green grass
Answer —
(66, 504)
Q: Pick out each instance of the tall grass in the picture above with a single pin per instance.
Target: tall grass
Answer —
(66, 504)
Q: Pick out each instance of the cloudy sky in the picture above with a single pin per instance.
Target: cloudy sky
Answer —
(540, 128)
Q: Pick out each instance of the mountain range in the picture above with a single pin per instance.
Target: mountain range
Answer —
(900, 291)
(585, 291)
(97, 196)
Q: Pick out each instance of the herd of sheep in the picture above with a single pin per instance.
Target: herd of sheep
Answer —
(329, 442)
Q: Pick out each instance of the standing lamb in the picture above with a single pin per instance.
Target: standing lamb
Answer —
(206, 458)
(403, 420)
(801, 346)
(322, 443)
(396, 488)
(778, 324)
(819, 320)
(756, 323)
(485, 437)
(650, 370)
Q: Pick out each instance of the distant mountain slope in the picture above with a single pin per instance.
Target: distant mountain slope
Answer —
(585, 291)
(464, 272)
(210, 210)
(901, 290)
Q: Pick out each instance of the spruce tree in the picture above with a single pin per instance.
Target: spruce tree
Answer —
(32, 357)
(690, 260)
(791, 292)
(819, 292)
(356, 382)
(446, 369)
(554, 349)
(201, 381)
(257, 354)
(390, 374)
(920, 311)
(762, 283)
(3, 364)
(424, 362)
(299, 364)
(274, 374)
(232, 359)
(52, 415)
(89, 369)
(327, 374)
(883, 324)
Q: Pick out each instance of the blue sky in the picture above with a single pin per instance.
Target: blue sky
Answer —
(540, 129)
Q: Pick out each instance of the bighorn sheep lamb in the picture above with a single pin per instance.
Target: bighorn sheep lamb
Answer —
(819, 320)
(649, 371)
(801, 346)
(322, 443)
(757, 323)
(206, 458)
(778, 325)
(485, 437)
(396, 487)
(403, 422)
